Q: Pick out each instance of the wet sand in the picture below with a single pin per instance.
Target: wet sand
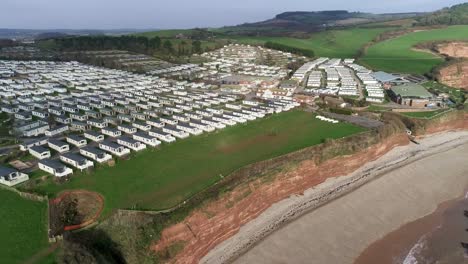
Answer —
(338, 231)
(434, 238)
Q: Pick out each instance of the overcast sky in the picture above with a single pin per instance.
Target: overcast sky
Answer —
(164, 14)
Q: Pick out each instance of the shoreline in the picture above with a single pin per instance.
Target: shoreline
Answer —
(287, 210)
(404, 244)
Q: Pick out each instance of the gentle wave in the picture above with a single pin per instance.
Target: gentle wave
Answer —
(415, 251)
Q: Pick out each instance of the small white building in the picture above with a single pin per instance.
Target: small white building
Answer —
(146, 139)
(127, 129)
(58, 146)
(94, 136)
(77, 140)
(76, 161)
(161, 135)
(95, 154)
(111, 132)
(11, 177)
(54, 167)
(56, 130)
(131, 143)
(39, 152)
(114, 148)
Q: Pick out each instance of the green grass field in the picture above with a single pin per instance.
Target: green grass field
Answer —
(158, 179)
(23, 228)
(333, 43)
(398, 55)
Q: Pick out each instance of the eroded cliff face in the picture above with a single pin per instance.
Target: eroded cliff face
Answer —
(455, 74)
(454, 49)
(213, 223)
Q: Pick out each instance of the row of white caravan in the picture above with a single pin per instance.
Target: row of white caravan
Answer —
(326, 119)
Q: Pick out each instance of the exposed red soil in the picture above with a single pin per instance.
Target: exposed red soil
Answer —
(456, 74)
(219, 220)
(454, 49)
(446, 126)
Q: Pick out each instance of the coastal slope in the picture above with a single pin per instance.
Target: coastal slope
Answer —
(337, 232)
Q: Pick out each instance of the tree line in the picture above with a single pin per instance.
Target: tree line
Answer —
(286, 48)
(137, 44)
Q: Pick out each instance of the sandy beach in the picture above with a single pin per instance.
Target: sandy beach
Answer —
(338, 219)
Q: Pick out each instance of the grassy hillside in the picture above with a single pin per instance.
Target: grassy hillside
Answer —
(398, 54)
(333, 43)
(316, 21)
(23, 229)
(156, 179)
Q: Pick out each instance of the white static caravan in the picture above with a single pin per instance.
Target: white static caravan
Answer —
(31, 143)
(127, 129)
(39, 152)
(56, 130)
(111, 132)
(175, 132)
(114, 148)
(161, 135)
(198, 124)
(76, 161)
(11, 177)
(146, 139)
(155, 123)
(93, 136)
(190, 129)
(98, 123)
(77, 141)
(95, 154)
(142, 126)
(58, 145)
(214, 123)
(224, 120)
(131, 143)
(54, 167)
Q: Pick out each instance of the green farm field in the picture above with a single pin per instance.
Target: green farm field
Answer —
(333, 43)
(23, 231)
(159, 179)
(398, 54)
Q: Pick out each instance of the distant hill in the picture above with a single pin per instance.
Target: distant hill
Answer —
(455, 15)
(7, 33)
(313, 21)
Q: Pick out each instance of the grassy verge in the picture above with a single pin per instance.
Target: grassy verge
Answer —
(158, 179)
(23, 231)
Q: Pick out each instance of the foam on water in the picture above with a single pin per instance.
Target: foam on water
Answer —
(415, 251)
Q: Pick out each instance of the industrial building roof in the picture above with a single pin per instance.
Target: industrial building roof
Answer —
(411, 90)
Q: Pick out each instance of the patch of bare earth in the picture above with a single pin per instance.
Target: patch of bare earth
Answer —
(454, 74)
